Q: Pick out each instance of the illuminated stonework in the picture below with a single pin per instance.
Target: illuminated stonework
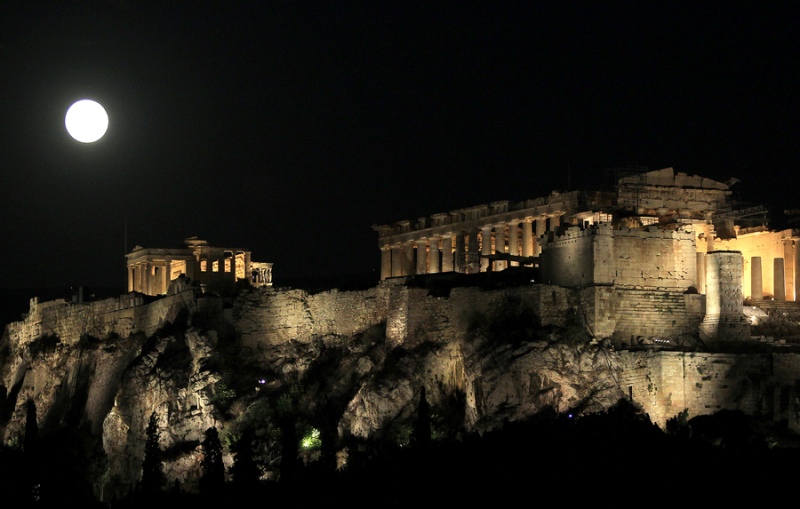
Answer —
(152, 271)
(659, 231)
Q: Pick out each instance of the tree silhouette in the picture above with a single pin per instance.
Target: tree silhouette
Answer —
(244, 471)
(421, 436)
(287, 416)
(30, 448)
(213, 480)
(153, 478)
(31, 427)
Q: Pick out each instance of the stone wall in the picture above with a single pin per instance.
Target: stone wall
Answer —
(662, 192)
(415, 315)
(568, 259)
(666, 383)
(410, 315)
(268, 316)
(120, 316)
(600, 255)
(629, 314)
(346, 313)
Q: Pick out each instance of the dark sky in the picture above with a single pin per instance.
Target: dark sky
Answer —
(290, 128)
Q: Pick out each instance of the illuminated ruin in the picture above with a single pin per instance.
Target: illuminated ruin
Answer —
(661, 240)
(152, 271)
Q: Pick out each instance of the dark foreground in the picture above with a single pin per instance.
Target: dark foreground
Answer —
(618, 456)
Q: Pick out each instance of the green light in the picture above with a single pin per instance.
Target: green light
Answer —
(311, 440)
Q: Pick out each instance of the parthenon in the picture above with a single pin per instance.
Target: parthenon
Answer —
(503, 234)
(151, 271)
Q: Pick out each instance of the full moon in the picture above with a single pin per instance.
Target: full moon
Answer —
(86, 121)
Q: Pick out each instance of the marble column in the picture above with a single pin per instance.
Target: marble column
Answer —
(527, 237)
(461, 252)
(167, 275)
(408, 259)
(434, 256)
(386, 263)
(796, 259)
(756, 289)
(789, 268)
(486, 247)
(779, 283)
(472, 252)
(513, 242)
(422, 257)
(447, 254)
(397, 260)
(148, 278)
(141, 268)
(500, 245)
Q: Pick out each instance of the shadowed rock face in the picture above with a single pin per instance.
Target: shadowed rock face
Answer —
(205, 367)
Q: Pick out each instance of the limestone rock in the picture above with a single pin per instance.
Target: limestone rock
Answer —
(269, 356)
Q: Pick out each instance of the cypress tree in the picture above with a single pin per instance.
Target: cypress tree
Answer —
(30, 449)
(153, 478)
(245, 471)
(213, 480)
(421, 436)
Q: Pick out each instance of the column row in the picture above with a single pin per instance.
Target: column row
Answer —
(467, 251)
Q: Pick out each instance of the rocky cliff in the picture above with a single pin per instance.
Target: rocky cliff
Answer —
(281, 365)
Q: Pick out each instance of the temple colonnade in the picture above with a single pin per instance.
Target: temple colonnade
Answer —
(478, 239)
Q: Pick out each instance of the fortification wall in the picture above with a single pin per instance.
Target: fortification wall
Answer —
(568, 259)
(630, 315)
(416, 316)
(122, 316)
(655, 259)
(666, 383)
(269, 316)
(663, 382)
(633, 258)
(347, 313)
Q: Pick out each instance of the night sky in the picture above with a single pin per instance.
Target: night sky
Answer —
(290, 128)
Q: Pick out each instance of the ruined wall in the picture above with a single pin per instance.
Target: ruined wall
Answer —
(415, 314)
(269, 316)
(655, 259)
(120, 316)
(346, 313)
(663, 192)
(629, 314)
(568, 259)
(600, 255)
(666, 383)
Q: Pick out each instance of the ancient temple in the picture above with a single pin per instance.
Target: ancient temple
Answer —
(503, 234)
(152, 271)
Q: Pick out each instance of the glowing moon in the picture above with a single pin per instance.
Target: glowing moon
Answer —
(86, 121)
